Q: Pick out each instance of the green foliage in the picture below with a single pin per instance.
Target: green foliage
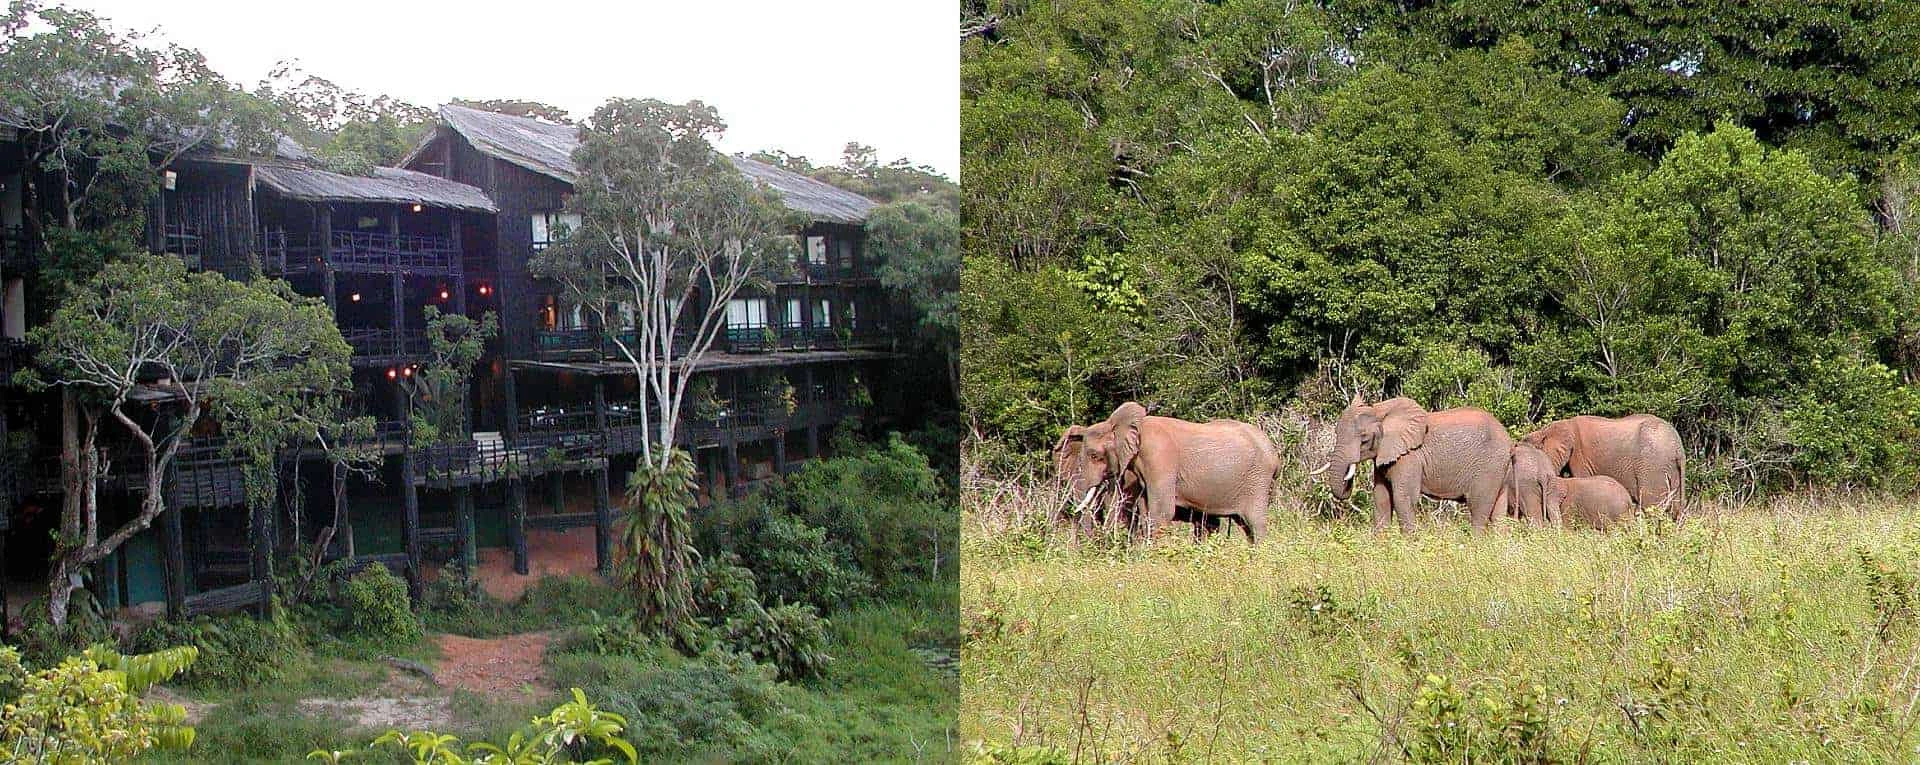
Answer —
(1487, 723)
(235, 652)
(792, 638)
(377, 609)
(456, 604)
(88, 708)
(43, 643)
(554, 737)
(438, 388)
(885, 503)
(1853, 424)
(679, 708)
(1824, 76)
(656, 543)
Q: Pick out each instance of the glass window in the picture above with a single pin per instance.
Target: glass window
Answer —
(822, 313)
(843, 252)
(792, 317)
(746, 312)
(550, 227)
(817, 250)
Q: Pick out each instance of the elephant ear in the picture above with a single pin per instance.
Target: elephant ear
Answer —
(1068, 446)
(1403, 428)
(1126, 435)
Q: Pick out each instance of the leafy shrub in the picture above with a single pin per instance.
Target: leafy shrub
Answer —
(551, 738)
(1854, 424)
(1490, 722)
(377, 608)
(722, 588)
(797, 563)
(88, 708)
(885, 504)
(44, 644)
(714, 707)
(618, 636)
(235, 651)
(457, 605)
(792, 638)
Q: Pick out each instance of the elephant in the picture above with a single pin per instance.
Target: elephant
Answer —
(1119, 506)
(1527, 485)
(1596, 502)
(1640, 451)
(1161, 464)
(1458, 454)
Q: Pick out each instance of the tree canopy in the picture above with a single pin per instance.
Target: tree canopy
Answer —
(1226, 208)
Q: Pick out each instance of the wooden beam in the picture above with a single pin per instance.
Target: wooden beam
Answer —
(325, 224)
(463, 527)
(173, 554)
(602, 494)
(517, 524)
(410, 525)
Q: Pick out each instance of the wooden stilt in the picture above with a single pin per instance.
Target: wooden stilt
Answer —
(517, 524)
(410, 525)
(463, 527)
(602, 496)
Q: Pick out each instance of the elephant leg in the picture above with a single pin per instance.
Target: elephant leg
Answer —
(1382, 503)
(1403, 482)
(1254, 522)
(1480, 508)
(1160, 508)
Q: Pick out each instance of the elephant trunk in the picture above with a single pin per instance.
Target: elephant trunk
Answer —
(1343, 486)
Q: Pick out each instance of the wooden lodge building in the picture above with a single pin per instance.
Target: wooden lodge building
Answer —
(552, 408)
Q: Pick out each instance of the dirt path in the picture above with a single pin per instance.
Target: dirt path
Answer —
(508, 665)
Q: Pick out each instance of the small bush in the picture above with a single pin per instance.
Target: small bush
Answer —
(714, 707)
(797, 563)
(377, 610)
(42, 644)
(722, 588)
(792, 638)
(236, 651)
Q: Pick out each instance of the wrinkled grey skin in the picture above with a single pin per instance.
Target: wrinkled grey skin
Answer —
(1459, 454)
(1217, 468)
(1594, 502)
(1527, 485)
(1640, 451)
(1122, 507)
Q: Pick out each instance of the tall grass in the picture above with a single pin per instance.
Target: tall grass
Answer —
(1772, 632)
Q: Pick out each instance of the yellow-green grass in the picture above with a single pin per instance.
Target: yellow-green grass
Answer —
(1748, 634)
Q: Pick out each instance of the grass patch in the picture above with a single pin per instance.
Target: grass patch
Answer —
(462, 608)
(1772, 633)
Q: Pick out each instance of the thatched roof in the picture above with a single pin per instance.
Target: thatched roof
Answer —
(547, 149)
(387, 184)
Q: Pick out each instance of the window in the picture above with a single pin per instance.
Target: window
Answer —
(843, 252)
(624, 310)
(746, 313)
(853, 317)
(792, 317)
(822, 313)
(550, 227)
(13, 308)
(817, 250)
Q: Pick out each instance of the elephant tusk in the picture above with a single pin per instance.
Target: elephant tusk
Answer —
(1321, 469)
(1350, 469)
(1082, 507)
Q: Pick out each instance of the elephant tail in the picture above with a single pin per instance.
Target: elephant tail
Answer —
(1677, 494)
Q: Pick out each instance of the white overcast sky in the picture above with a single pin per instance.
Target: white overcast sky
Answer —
(804, 77)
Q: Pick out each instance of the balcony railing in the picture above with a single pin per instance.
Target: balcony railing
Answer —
(359, 252)
(797, 336)
(807, 272)
(385, 346)
(562, 343)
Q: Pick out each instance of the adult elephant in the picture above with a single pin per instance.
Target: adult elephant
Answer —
(1162, 464)
(1458, 454)
(1640, 451)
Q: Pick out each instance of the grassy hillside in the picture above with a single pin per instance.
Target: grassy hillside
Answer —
(1751, 634)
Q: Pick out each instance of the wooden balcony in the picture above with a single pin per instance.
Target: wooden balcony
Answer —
(591, 343)
(363, 252)
(384, 347)
(16, 251)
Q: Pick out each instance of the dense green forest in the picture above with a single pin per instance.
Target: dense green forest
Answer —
(1698, 210)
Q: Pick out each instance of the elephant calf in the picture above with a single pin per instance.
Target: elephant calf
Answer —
(1641, 451)
(1595, 502)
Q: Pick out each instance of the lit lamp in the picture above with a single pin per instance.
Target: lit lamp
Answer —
(485, 290)
(355, 297)
(169, 179)
(416, 207)
(444, 294)
(392, 374)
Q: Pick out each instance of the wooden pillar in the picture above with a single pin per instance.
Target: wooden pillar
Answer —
(557, 492)
(399, 310)
(602, 493)
(410, 525)
(173, 556)
(325, 224)
(463, 527)
(813, 430)
(516, 487)
(780, 451)
(341, 510)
